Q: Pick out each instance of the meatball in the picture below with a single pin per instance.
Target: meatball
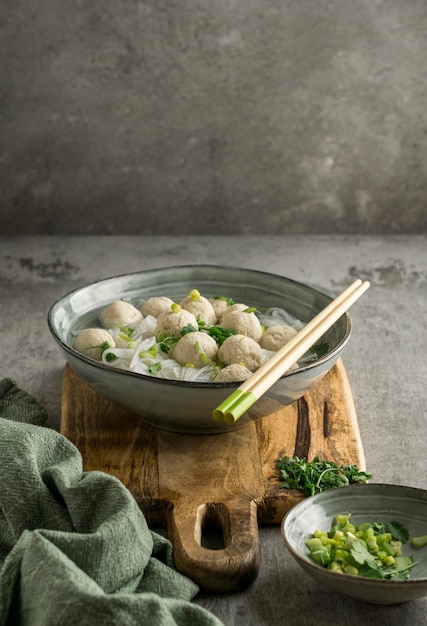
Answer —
(233, 373)
(120, 313)
(241, 349)
(243, 323)
(220, 305)
(156, 305)
(276, 337)
(239, 306)
(199, 306)
(198, 349)
(92, 342)
(172, 322)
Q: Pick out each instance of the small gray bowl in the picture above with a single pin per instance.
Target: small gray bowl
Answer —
(187, 406)
(366, 502)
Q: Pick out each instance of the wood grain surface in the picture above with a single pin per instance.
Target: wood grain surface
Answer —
(222, 486)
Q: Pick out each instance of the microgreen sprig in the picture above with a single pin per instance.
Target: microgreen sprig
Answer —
(218, 333)
(317, 475)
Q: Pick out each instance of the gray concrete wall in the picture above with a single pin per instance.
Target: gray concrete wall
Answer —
(215, 116)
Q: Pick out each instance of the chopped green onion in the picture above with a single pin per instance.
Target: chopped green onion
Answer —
(362, 550)
(207, 360)
(419, 542)
(125, 337)
(151, 353)
(127, 330)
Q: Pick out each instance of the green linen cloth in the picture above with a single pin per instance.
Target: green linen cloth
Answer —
(74, 546)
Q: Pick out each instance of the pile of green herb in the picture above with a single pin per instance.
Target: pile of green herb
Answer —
(317, 475)
(220, 334)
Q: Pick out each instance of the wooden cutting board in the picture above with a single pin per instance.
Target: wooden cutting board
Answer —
(222, 486)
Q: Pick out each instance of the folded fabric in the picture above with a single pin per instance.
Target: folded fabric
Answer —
(74, 546)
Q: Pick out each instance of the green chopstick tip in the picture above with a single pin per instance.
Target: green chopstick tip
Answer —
(230, 418)
(225, 406)
(218, 415)
(234, 406)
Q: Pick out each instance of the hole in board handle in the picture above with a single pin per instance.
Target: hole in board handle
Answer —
(211, 524)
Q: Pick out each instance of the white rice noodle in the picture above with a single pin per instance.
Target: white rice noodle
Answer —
(275, 316)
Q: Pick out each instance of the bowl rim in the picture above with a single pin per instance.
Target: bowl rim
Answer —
(183, 383)
(304, 560)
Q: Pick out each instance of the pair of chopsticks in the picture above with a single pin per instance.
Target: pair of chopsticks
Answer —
(256, 385)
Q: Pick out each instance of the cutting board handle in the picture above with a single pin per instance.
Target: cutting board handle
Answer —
(230, 568)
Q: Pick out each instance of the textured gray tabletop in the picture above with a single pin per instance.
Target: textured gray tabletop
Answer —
(385, 362)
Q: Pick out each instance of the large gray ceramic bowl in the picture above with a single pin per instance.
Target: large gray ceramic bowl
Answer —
(366, 502)
(187, 406)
